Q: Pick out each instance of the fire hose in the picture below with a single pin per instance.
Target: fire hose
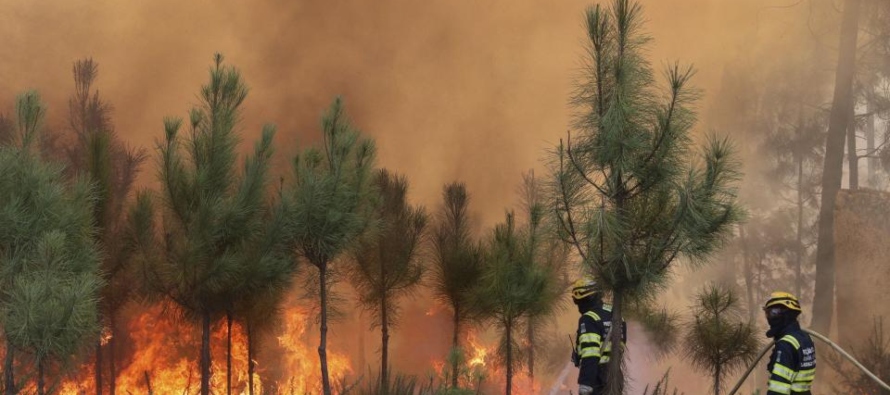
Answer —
(823, 339)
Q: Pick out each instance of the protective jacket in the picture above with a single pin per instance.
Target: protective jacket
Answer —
(594, 327)
(792, 366)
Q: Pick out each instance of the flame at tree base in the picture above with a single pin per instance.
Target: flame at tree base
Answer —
(483, 375)
(166, 354)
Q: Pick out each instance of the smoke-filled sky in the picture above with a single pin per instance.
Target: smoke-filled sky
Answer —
(451, 90)
(474, 91)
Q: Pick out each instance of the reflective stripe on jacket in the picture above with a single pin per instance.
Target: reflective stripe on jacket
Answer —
(589, 342)
(792, 366)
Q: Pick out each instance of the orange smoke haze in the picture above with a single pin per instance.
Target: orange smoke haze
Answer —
(450, 90)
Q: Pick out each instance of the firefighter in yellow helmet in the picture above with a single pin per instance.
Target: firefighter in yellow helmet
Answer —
(792, 366)
(590, 355)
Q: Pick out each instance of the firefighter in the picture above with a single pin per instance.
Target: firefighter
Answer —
(594, 325)
(792, 366)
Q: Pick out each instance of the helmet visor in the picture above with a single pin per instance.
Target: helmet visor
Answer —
(774, 312)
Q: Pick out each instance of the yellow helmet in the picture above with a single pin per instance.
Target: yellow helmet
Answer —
(782, 299)
(584, 287)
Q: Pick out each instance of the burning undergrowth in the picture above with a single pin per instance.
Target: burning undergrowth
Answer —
(155, 352)
(159, 356)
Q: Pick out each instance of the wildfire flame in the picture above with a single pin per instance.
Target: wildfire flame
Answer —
(478, 351)
(304, 367)
(165, 359)
(479, 354)
(106, 336)
(165, 355)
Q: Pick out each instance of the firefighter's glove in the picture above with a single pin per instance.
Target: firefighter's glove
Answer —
(575, 359)
(585, 390)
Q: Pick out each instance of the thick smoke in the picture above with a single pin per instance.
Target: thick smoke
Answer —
(450, 90)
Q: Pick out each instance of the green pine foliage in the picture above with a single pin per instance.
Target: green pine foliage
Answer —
(719, 340)
(662, 326)
(630, 193)
(549, 255)
(387, 261)
(49, 262)
(456, 266)
(330, 205)
(512, 288)
(256, 300)
(213, 214)
(112, 167)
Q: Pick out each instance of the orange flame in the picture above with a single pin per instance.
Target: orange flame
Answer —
(166, 353)
(302, 361)
(165, 358)
(478, 351)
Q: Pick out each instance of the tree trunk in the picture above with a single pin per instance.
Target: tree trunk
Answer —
(322, 347)
(112, 380)
(719, 364)
(717, 379)
(823, 303)
(799, 247)
(531, 350)
(455, 345)
(205, 353)
(228, 353)
(748, 272)
(251, 366)
(852, 156)
(98, 367)
(615, 376)
(8, 377)
(384, 341)
(151, 391)
(509, 334)
(41, 385)
(872, 161)
(362, 359)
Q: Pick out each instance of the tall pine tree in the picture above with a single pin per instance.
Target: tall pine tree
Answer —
(49, 266)
(330, 206)
(112, 167)
(387, 261)
(513, 287)
(457, 265)
(628, 195)
(212, 213)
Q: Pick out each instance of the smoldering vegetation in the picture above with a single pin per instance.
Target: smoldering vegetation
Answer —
(467, 104)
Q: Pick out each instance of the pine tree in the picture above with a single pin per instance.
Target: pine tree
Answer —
(513, 288)
(548, 254)
(212, 214)
(457, 264)
(832, 171)
(796, 148)
(267, 269)
(259, 313)
(50, 264)
(329, 206)
(873, 70)
(628, 195)
(387, 261)
(718, 339)
(112, 167)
